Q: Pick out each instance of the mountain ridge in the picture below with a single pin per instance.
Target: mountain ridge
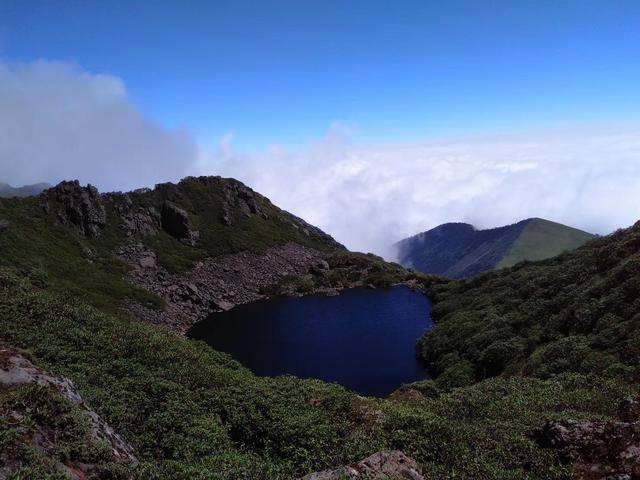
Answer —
(459, 250)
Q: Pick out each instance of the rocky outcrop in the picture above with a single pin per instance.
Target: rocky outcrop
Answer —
(239, 202)
(135, 219)
(600, 450)
(175, 221)
(77, 206)
(16, 371)
(379, 466)
(215, 284)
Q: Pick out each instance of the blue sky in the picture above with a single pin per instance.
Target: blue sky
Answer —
(373, 120)
(283, 71)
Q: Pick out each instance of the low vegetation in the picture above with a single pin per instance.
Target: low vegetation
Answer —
(577, 312)
(193, 413)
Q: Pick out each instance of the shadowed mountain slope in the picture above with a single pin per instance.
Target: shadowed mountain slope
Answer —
(458, 250)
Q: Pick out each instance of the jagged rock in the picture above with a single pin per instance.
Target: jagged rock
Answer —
(311, 230)
(239, 200)
(4, 224)
(136, 219)
(76, 205)
(175, 221)
(379, 466)
(17, 371)
(604, 450)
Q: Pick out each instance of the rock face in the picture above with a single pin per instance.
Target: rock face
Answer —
(16, 371)
(379, 466)
(215, 284)
(239, 201)
(76, 205)
(136, 219)
(600, 450)
(175, 221)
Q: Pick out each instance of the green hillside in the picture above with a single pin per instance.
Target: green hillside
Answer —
(541, 239)
(459, 250)
(577, 312)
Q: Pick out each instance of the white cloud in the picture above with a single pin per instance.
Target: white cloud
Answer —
(60, 122)
(369, 197)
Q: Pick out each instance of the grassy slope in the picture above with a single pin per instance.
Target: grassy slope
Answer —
(577, 312)
(542, 239)
(193, 413)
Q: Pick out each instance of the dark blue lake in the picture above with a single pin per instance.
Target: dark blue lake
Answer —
(362, 339)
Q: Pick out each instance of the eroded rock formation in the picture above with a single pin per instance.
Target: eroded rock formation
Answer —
(76, 205)
(136, 219)
(239, 201)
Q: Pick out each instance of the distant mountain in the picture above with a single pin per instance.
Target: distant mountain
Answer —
(458, 250)
(7, 191)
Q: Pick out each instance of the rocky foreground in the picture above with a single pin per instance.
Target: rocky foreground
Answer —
(602, 450)
(44, 435)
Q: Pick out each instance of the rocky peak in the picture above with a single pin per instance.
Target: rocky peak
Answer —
(76, 205)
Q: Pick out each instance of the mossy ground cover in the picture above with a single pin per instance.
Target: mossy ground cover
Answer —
(194, 413)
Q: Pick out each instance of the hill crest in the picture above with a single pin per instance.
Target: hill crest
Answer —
(460, 250)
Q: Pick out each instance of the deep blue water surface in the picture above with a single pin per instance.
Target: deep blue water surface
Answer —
(362, 339)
